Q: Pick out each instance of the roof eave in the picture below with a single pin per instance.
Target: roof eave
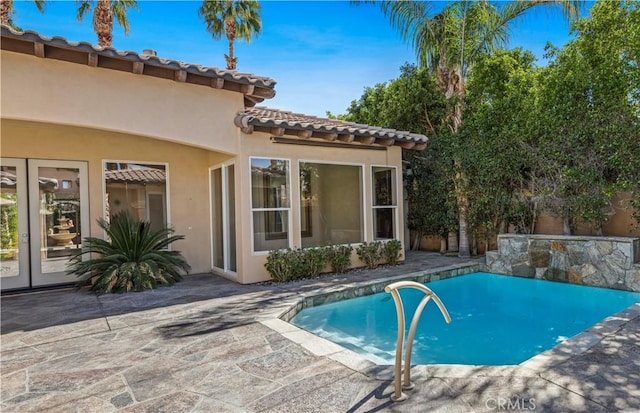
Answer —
(255, 89)
(348, 133)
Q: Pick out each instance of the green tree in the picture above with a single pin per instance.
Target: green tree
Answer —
(588, 116)
(103, 13)
(413, 102)
(8, 222)
(450, 42)
(7, 11)
(237, 19)
(489, 143)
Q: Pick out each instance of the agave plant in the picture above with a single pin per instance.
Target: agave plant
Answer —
(134, 257)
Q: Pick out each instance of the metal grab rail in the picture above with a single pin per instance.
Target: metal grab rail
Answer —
(398, 395)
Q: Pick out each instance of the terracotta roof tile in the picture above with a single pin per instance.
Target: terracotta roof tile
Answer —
(265, 83)
(146, 175)
(292, 122)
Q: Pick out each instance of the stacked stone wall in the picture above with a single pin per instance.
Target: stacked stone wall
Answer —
(611, 262)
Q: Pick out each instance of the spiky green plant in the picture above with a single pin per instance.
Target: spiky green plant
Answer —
(134, 257)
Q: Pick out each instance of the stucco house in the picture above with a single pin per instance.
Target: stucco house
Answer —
(89, 131)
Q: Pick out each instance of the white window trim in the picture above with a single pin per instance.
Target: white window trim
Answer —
(252, 209)
(167, 184)
(167, 187)
(394, 207)
(225, 218)
(363, 176)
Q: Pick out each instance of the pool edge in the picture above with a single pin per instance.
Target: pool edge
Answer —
(319, 346)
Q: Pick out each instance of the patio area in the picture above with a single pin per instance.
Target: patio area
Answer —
(210, 345)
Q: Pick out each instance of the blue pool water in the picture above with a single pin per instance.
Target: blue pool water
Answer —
(495, 319)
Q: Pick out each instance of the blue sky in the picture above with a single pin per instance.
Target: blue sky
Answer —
(321, 53)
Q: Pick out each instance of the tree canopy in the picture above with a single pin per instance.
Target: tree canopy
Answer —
(561, 139)
(450, 42)
(236, 19)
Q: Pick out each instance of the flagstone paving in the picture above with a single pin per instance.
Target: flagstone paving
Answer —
(210, 345)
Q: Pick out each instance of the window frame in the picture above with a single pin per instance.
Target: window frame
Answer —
(363, 199)
(224, 170)
(393, 207)
(167, 188)
(287, 209)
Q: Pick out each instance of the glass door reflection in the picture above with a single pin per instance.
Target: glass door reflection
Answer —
(14, 236)
(59, 200)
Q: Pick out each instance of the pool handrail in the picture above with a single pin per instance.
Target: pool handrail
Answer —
(393, 288)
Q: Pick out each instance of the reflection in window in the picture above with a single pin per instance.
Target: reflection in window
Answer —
(9, 265)
(330, 204)
(60, 212)
(270, 203)
(384, 202)
(138, 188)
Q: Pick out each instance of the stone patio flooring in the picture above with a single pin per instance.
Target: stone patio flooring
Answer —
(210, 345)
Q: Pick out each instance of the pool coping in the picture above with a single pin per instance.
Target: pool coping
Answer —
(278, 320)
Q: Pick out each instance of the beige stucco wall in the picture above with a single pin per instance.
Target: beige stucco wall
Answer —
(65, 111)
(187, 171)
(619, 224)
(251, 265)
(54, 91)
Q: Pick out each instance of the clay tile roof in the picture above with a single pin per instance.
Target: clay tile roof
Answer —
(146, 175)
(255, 88)
(280, 122)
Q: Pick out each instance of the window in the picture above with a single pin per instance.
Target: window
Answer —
(138, 188)
(270, 204)
(384, 202)
(66, 184)
(330, 204)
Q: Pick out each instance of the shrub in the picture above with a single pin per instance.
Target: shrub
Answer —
(370, 254)
(134, 257)
(278, 265)
(391, 251)
(296, 263)
(316, 260)
(339, 257)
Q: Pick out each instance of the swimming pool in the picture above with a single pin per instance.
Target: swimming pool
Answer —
(496, 319)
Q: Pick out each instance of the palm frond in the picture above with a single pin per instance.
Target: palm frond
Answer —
(212, 13)
(135, 257)
(245, 13)
(120, 8)
(40, 4)
(83, 7)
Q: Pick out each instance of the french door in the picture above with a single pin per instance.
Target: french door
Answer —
(44, 214)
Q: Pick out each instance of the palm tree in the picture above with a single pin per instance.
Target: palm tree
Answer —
(103, 14)
(6, 11)
(134, 257)
(237, 19)
(449, 42)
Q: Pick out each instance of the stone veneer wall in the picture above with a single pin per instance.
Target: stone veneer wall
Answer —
(611, 262)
